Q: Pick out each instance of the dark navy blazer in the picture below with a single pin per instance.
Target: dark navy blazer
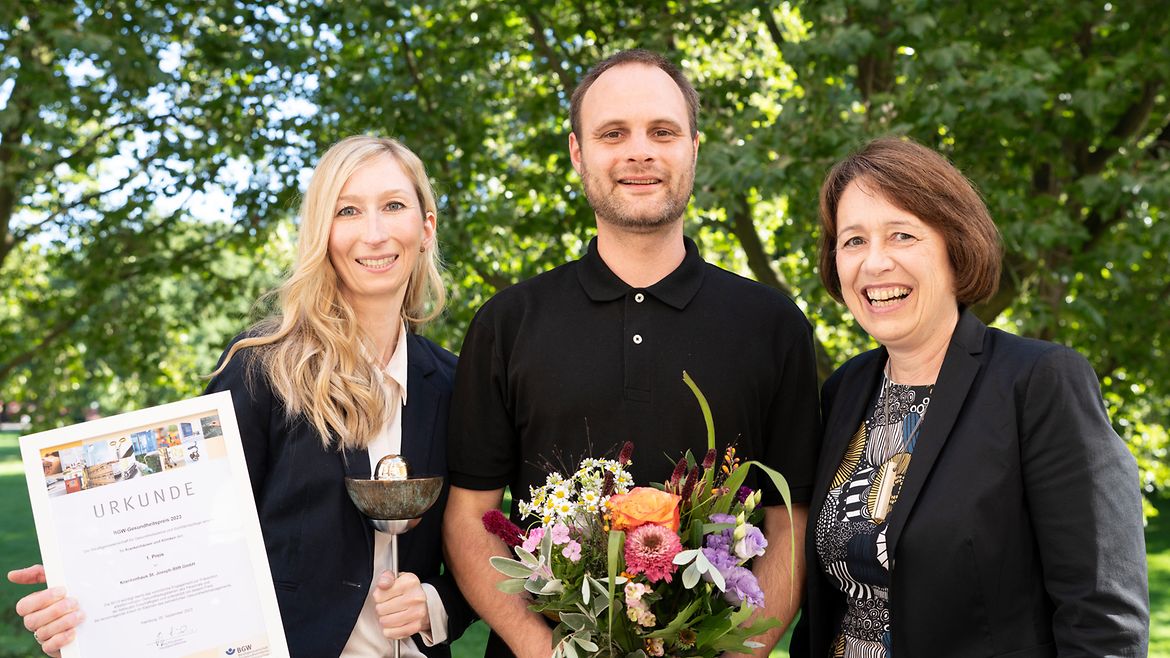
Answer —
(320, 548)
(1018, 530)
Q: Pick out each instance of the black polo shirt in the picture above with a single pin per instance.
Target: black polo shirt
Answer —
(574, 362)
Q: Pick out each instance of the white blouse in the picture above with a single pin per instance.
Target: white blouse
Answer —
(367, 640)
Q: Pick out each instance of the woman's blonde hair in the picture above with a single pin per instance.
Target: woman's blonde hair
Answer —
(311, 349)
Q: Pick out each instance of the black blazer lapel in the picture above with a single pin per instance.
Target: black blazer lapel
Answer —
(422, 403)
(846, 411)
(960, 366)
(845, 407)
(418, 427)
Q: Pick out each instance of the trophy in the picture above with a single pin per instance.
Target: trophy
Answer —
(393, 501)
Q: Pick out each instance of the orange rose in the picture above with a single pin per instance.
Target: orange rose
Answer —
(644, 505)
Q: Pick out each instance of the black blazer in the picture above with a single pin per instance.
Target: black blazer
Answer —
(320, 548)
(1018, 531)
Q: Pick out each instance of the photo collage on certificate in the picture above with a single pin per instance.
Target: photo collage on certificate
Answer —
(91, 463)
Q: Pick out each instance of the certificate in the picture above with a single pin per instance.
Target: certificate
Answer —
(147, 519)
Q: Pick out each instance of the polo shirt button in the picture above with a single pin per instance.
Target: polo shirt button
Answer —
(637, 339)
(639, 298)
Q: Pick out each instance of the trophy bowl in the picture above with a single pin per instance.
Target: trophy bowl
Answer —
(393, 502)
(403, 501)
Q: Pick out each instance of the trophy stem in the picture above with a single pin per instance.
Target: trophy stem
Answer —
(394, 572)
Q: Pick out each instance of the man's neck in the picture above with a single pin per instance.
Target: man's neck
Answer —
(641, 259)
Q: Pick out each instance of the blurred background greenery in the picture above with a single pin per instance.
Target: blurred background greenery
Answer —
(152, 153)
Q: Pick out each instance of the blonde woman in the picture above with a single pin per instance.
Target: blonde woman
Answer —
(323, 389)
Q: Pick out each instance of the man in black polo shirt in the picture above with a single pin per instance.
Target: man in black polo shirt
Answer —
(588, 355)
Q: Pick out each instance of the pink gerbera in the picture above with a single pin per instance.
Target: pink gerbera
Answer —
(650, 549)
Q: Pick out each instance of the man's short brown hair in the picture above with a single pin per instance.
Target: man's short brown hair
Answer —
(635, 56)
(923, 183)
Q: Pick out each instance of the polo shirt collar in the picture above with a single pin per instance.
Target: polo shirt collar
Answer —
(676, 289)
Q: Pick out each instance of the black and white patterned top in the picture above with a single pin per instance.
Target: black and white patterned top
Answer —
(851, 528)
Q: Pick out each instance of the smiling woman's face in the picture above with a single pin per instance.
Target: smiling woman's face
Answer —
(378, 230)
(895, 275)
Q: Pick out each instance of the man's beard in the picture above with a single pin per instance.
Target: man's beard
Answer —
(610, 208)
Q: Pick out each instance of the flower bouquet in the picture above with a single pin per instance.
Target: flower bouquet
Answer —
(642, 571)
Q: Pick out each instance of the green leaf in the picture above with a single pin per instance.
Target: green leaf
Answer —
(599, 604)
(681, 620)
(613, 560)
(510, 568)
(511, 586)
(574, 620)
(733, 482)
(704, 407)
(527, 558)
(552, 587)
(546, 548)
(740, 615)
(781, 485)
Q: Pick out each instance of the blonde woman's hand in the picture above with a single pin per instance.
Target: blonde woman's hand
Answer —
(51, 616)
(401, 604)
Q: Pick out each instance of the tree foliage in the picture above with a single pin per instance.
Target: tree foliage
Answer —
(118, 119)
(1057, 111)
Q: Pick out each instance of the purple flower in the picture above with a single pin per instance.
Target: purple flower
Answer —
(717, 545)
(720, 541)
(723, 518)
(720, 558)
(752, 544)
(741, 496)
(742, 587)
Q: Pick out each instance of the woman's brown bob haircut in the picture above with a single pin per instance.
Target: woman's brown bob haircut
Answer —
(924, 184)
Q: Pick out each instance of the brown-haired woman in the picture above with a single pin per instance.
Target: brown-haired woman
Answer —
(972, 498)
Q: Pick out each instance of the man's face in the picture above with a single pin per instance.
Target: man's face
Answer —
(635, 153)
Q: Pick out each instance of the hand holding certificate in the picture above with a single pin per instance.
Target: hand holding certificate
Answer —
(148, 520)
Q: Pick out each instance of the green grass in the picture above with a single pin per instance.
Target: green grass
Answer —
(1158, 559)
(18, 546)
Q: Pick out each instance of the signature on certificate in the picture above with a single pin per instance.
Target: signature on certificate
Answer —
(169, 636)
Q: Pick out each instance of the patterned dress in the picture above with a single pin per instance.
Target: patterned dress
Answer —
(851, 528)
